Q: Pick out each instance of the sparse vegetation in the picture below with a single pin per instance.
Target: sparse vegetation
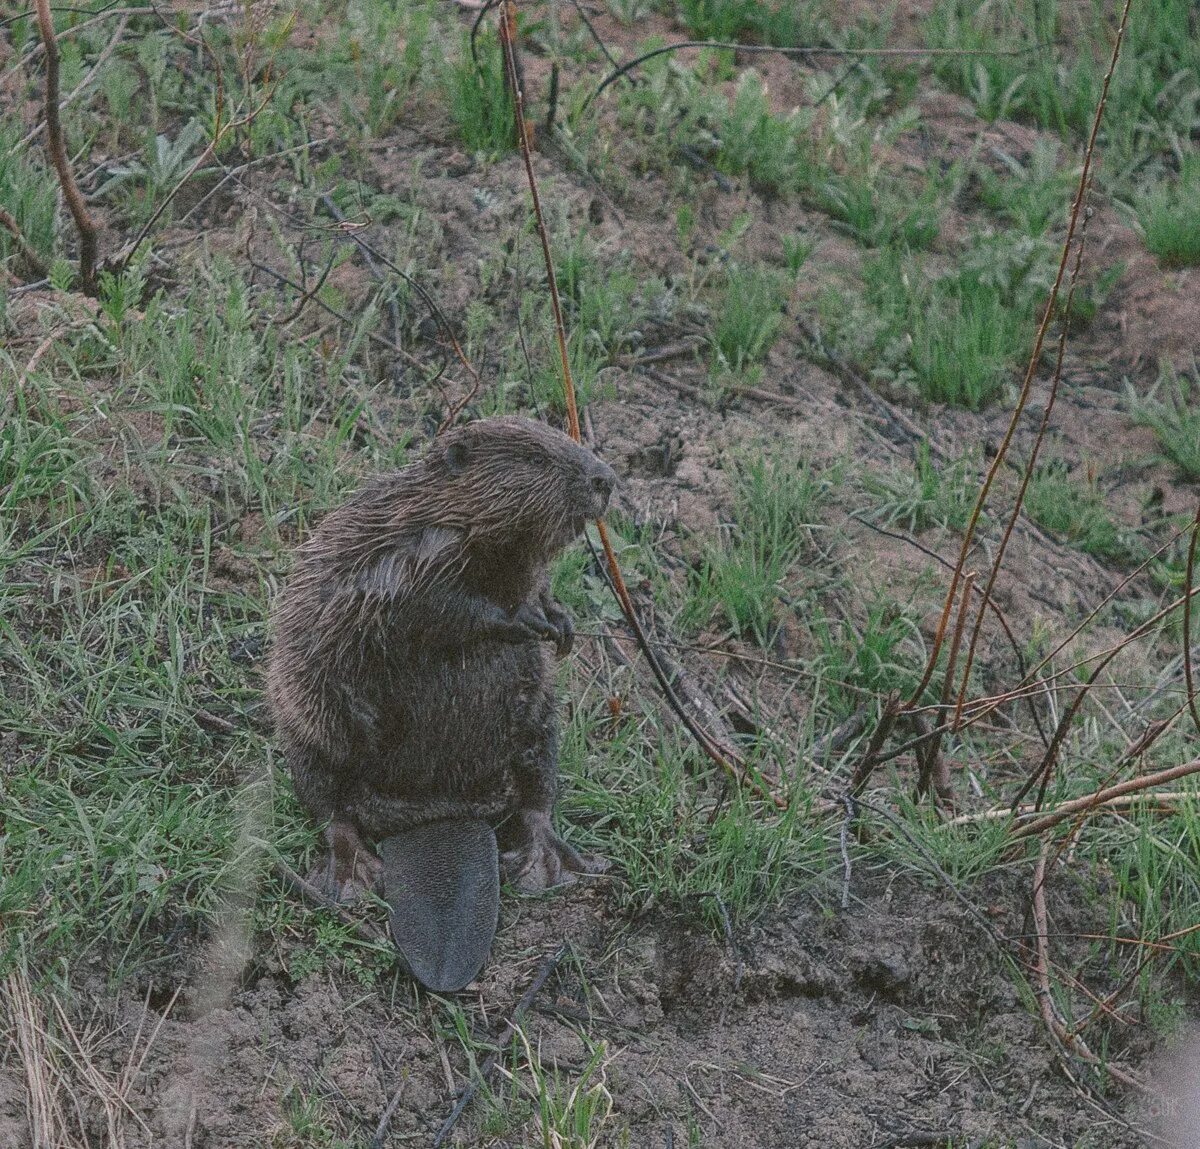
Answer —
(748, 318)
(1172, 409)
(775, 504)
(797, 299)
(1075, 510)
(1170, 217)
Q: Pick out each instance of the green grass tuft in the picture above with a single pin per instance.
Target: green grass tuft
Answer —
(1169, 215)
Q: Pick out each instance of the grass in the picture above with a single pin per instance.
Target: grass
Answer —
(478, 97)
(1055, 82)
(168, 449)
(27, 194)
(776, 504)
(1076, 512)
(1174, 417)
(931, 494)
(748, 317)
(1169, 215)
(960, 335)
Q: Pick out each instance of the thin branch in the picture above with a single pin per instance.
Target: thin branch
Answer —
(58, 154)
(1092, 801)
(733, 46)
(68, 100)
(1188, 580)
(1034, 360)
(721, 755)
(34, 261)
(1071, 1043)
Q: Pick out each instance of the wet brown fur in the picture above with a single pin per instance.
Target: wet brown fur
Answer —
(409, 680)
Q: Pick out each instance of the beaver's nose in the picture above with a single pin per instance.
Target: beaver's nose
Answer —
(603, 480)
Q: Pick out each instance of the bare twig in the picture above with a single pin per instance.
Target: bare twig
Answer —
(548, 966)
(33, 261)
(1089, 802)
(1031, 370)
(933, 771)
(1031, 463)
(310, 893)
(1188, 580)
(81, 87)
(807, 52)
(870, 758)
(84, 224)
(1166, 799)
(1070, 1042)
(729, 761)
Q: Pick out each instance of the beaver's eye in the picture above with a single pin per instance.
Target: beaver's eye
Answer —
(457, 458)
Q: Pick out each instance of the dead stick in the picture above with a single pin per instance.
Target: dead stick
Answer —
(932, 770)
(58, 154)
(1031, 370)
(866, 765)
(35, 262)
(1164, 798)
(310, 893)
(1090, 801)
(1027, 474)
(723, 757)
(1189, 574)
(547, 967)
(1070, 1042)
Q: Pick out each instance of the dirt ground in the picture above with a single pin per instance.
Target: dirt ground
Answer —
(891, 1023)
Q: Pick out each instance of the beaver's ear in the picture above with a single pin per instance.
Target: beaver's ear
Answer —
(457, 457)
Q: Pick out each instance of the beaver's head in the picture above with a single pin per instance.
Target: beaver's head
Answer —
(512, 478)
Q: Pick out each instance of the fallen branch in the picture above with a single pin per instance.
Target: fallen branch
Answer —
(1102, 797)
(1071, 1042)
(1167, 799)
(548, 966)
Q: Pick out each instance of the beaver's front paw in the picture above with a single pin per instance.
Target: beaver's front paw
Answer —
(540, 859)
(563, 625)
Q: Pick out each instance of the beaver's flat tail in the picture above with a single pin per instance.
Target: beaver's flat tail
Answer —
(442, 882)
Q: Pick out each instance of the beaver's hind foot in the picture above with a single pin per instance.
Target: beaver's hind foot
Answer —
(538, 858)
(350, 868)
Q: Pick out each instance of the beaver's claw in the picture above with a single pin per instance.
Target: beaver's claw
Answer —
(564, 626)
(541, 859)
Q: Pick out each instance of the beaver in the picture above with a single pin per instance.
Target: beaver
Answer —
(410, 682)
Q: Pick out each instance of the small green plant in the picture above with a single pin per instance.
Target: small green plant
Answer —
(1075, 511)
(1174, 418)
(1170, 217)
(748, 319)
(718, 19)
(1033, 196)
(770, 149)
(877, 213)
(480, 103)
(796, 250)
(629, 12)
(775, 505)
(931, 494)
(857, 660)
(27, 193)
(143, 181)
(960, 334)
